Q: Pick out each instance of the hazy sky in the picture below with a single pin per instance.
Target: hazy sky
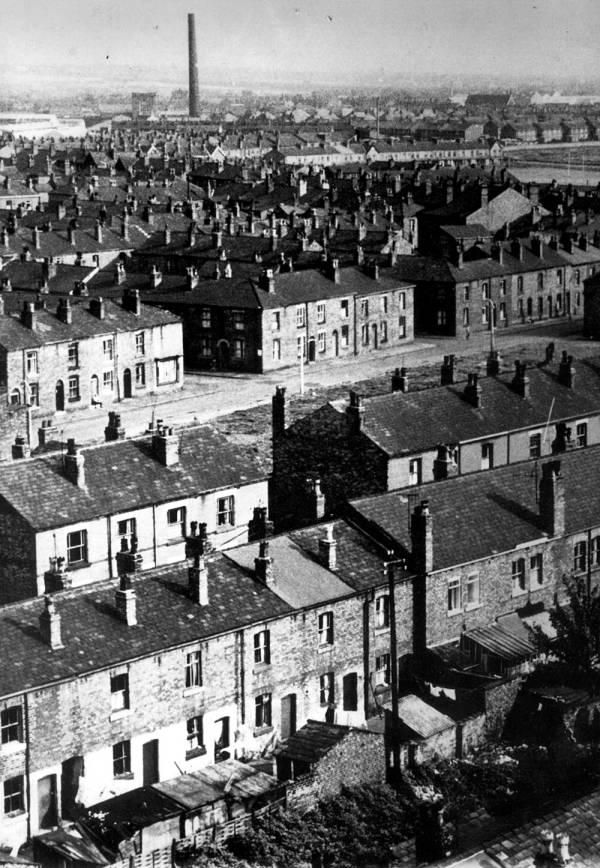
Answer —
(392, 36)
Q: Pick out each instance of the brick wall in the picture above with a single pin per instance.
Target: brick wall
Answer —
(499, 701)
(357, 759)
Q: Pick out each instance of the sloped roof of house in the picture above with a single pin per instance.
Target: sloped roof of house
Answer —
(313, 741)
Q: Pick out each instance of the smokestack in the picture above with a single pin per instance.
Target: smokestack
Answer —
(193, 67)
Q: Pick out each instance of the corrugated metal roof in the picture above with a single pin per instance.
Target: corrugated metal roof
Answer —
(508, 638)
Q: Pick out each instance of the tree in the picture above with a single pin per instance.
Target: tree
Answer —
(577, 625)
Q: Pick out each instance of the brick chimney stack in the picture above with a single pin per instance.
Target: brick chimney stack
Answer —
(50, 628)
(566, 371)
(259, 525)
(328, 548)
(114, 430)
(279, 408)
(165, 445)
(21, 448)
(315, 498)
(421, 533)
(355, 413)
(552, 499)
(473, 391)
(194, 89)
(74, 464)
(125, 600)
(444, 466)
(448, 371)
(520, 381)
(263, 564)
(198, 580)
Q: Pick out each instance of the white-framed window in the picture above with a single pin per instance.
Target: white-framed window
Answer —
(126, 529)
(74, 388)
(176, 521)
(581, 432)
(193, 669)
(301, 346)
(536, 570)
(14, 795)
(262, 710)
(326, 688)
(415, 471)
(31, 362)
(535, 445)
(77, 550)
(34, 394)
(140, 374)
(238, 348)
(402, 327)
(11, 724)
(226, 511)
(119, 691)
(238, 320)
(485, 290)
(275, 321)
(300, 316)
(321, 341)
(325, 622)
(382, 669)
(194, 733)
(487, 456)
(383, 332)
(108, 381)
(276, 350)
(518, 576)
(122, 758)
(345, 336)
(262, 646)
(472, 587)
(344, 308)
(364, 307)
(108, 349)
(454, 601)
(320, 311)
(73, 351)
(580, 556)
(382, 610)
(140, 344)
(595, 552)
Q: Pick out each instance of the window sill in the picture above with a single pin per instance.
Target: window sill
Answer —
(197, 751)
(263, 666)
(74, 400)
(322, 649)
(126, 776)
(12, 815)
(193, 691)
(11, 747)
(175, 541)
(453, 612)
(119, 714)
(470, 607)
(78, 565)
(380, 630)
(262, 730)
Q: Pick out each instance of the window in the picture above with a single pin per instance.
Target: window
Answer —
(383, 332)
(382, 669)
(140, 375)
(326, 628)
(595, 551)
(402, 301)
(382, 611)
(34, 394)
(472, 588)
(121, 758)
(238, 320)
(262, 710)
(108, 381)
(503, 287)
(414, 471)
(577, 277)
(238, 348)
(518, 575)
(119, 691)
(519, 285)
(580, 556)
(350, 692)
(321, 311)
(487, 456)
(140, 344)
(454, 604)
(11, 724)
(77, 547)
(535, 445)
(581, 433)
(559, 276)
(465, 316)
(226, 511)
(345, 336)
(502, 310)
(126, 531)
(536, 571)
(485, 290)
(74, 389)
(301, 346)
(176, 521)
(484, 315)
(276, 350)
(344, 308)
(540, 280)
(205, 319)
(167, 370)
(321, 341)
(300, 316)
(73, 355)
(364, 307)
(384, 303)
(195, 734)
(466, 293)
(14, 795)
(193, 669)
(276, 321)
(31, 362)
(262, 647)
(222, 740)
(326, 688)
(364, 334)
(107, 348)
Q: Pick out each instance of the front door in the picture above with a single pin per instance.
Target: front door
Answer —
(150, 758)
(47, 807)
(311, 349)
(72, 771)
(288, 715)
(336, 344)
(60, 395)
(127, 383)
(374, 333)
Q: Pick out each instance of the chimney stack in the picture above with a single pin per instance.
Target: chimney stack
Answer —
(20, 448)
(198, 580)
(125, 601)
(552, 499)
(267, 280)
(279, 407)
(50, 625)
(520, 381)
(448, 371)
(28, 317)
(443, 466)
(131, 301)
(74, 464)
(194, 95)
(97, 307)
(165, 445)
(566, 371)
(263, 564)
(315, 498)
(328, 548)
(355, 413)
(422, 538)
(64, 311)
(473, 391)
(114, 430)
(259, 525)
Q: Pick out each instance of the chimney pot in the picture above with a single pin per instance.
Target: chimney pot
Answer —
(165, 446)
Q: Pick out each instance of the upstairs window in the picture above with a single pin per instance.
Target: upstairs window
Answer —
(326, 628)
(11, 727)
(300, 316)
(121, 758)
(535, 445)
(262, 710)
(326, 689)
(581, 433)
(140, 344)
(108, 349)
(77, 552)
(238, 320)
(14, 795)
(382, 611)
(31, 362)
(262, 647)
(195, 734)
(382, 669)
(119, 691)
(126, 529)
(536, 570)
(364, 307)
(580, 556)
(193, 669)
(454, 601)
(176, 521)
(518, 575)
(344, 308)
(226, 511)
(321, 312)
(73, 355)
(276, 321)
(205, 318)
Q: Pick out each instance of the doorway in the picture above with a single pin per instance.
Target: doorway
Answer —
(150, 761)
(47, 805)
(374, 333)
(60, 395)
(288, 715)
(72, 771)
(336, 343)
(127, 383)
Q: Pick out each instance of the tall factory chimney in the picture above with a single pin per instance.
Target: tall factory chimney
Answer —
(193, 63)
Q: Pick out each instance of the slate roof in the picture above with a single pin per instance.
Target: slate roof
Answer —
(123, 476)
(49, 329)
(505, 501)
(213, 783)
(421, 717)
(402, 423)
(312, 741)
(94, 638)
